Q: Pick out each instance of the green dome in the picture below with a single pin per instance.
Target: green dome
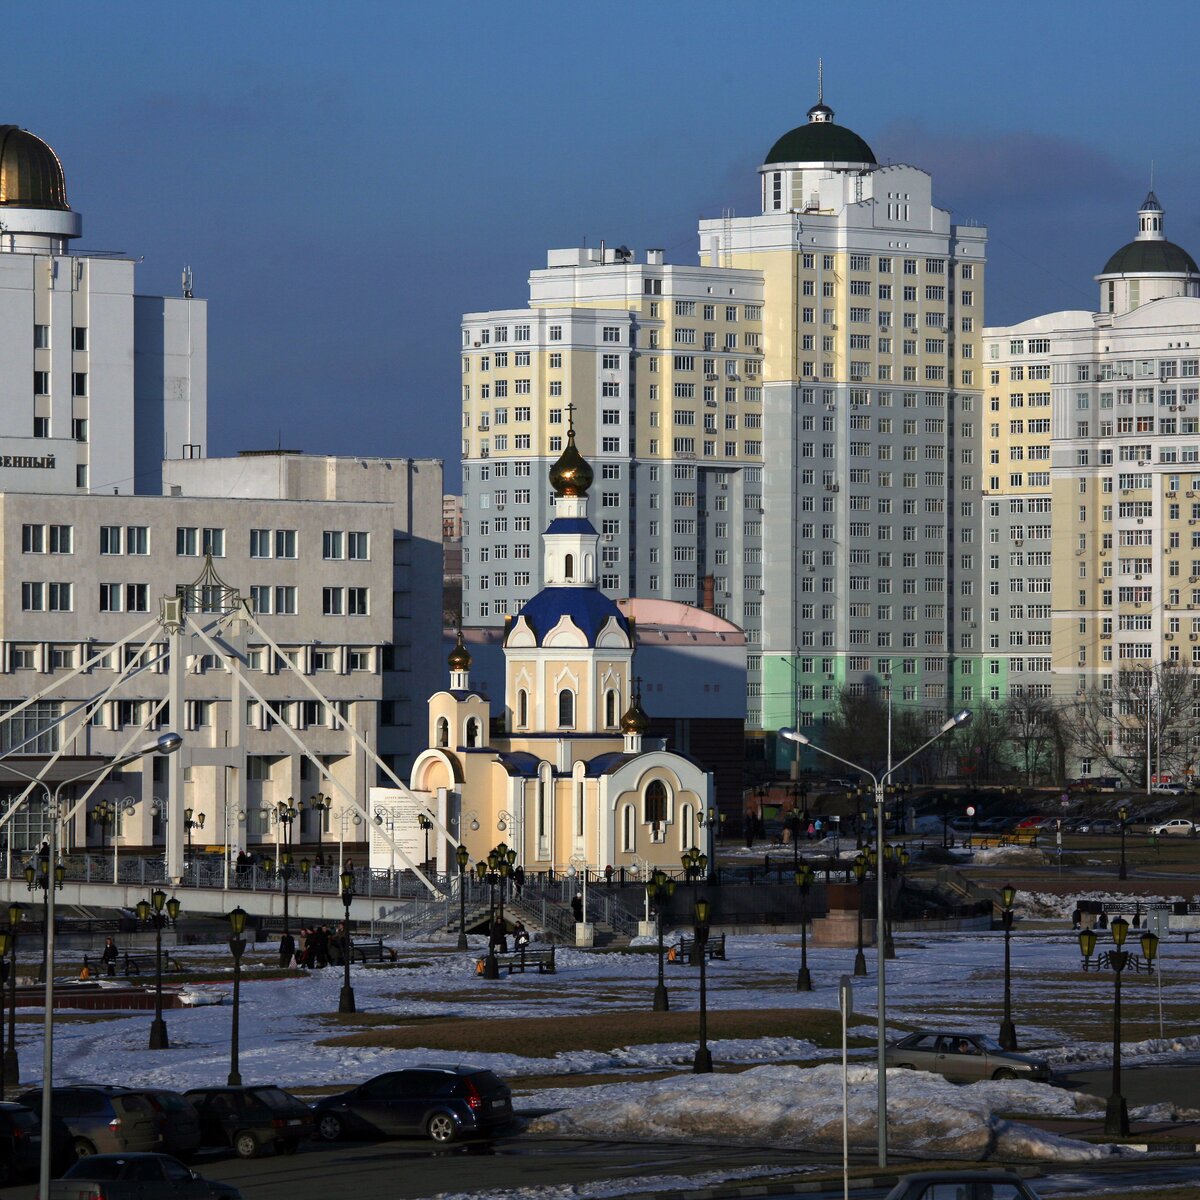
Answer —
(820, 141)
(30, 174)
(1151, 257)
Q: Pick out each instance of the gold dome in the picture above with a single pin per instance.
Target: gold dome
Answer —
(30, 174)
(572, 475)
(635, 719)
(460, 656)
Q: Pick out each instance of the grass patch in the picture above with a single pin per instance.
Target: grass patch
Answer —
(539, 1037)
(376, 1020)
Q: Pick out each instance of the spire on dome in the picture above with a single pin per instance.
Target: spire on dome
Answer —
(635, 719)
(571, 475)
(820, 112)
(460, 656)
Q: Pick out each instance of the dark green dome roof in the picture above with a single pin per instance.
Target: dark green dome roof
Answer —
(30, 174)
(1151, 257)
(820, 141)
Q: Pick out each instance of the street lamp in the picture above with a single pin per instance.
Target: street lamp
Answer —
(47, 881)
(793, 824)
(462, 858)
(804, 878)
(191, 822)
(1123, 814)
(165, 743)
(152, 910)
(1008, 1032)
(320, 804)
(426, 825)
(659, 889)
(485, 870)
(1116, 1116)
(237, 947)
(860, 872)
(794, 735)
(12, 1068)
(348, 816)
(702, 1064)
(346, 1000)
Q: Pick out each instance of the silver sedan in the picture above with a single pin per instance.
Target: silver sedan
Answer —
(963, 1057)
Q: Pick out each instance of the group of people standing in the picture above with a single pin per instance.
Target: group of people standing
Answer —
(315, 948)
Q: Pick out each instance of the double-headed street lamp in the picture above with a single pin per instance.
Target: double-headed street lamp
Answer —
(462, 858)
(191, 820)
(152, 910)
(12, 1069)
(320, 804)
(880, 781)
(804, 879)
(1008, 1031)
(660, 887)
(1116, 1116)
(1123, 815)
(346, 1000)
(702, 1064)
(237, 947)
(47, 881)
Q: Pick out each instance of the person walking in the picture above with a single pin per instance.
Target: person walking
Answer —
(519, 879)
(577, 907)
(109, 956)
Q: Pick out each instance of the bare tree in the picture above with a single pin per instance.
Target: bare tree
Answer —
(979, 745)
(1153, 710)
(1035, 732)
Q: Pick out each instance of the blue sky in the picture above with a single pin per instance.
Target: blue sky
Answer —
(347, 179)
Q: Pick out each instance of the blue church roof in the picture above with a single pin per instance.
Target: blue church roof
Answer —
(570, 525)
(605, 764)
(588, 607)
(520, 762)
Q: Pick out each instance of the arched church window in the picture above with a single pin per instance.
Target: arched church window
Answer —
(610, 708)
(474, 730)
(569, 567)
(522, 708)
(656, 802)
(442, 736)
(566, 707)
(687, 828)
(627, 821)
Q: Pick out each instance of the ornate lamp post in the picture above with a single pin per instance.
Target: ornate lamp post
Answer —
(191, 820)
(104, 816)
(702, 1064)
(43, 879)
(346, 1001)
(426, 825)
(659, 889)
(152, 910)
(462, 858)
(1116, 1117)
(1008, 1032)
(320, 804)
(12, 1069)
(860, 873)
(237, 947)
(1123, 814)
(804, 878)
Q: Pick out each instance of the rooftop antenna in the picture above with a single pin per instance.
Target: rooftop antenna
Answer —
(1152, 174)
(820, 81)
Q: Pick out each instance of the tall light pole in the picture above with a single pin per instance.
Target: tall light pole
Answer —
(795, 735)
(702, 1064)
(152, 910)
(1123, 814)
(237, 947)
(320, 804)
(346, 1000)
(1008, 1031)
(462, 858)
(166, 743)
(49, 880)
(659, 889)
(804, 878)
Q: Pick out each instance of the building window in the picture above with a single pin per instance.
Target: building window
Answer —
(41, 383)
(522, 708)
(566, 708)
(442, 737)
(285, 543)
(79, 383)
(610, 709)
(331, 544)
(356, 602)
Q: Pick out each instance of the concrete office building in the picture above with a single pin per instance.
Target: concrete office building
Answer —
(97, 383)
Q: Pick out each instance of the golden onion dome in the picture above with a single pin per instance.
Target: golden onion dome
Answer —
(635, 719)
(30, 174)
(460, 656)
(572, 475)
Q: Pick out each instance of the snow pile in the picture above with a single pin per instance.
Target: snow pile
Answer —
(1150, 1050)
(989, 855)
(794, 1105)
(1049, 904)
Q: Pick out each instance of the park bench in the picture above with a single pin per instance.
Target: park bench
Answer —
(713, 948)
(526, 959)
(133, 964)
(373, 951)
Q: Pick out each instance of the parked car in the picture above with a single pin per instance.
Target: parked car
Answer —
(442, 1103)
(20, 1142)
(178, 1121)
(137, 1177)
(1179, 826)
(100, 1119)
(962, 1185)
(1168, 789)
(963, 1057)
(249, 1119)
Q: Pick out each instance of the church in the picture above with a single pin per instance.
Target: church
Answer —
(562, 775)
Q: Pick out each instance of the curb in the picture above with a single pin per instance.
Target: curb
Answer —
(774, 1188)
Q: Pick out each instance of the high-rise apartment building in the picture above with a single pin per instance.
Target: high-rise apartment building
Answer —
(786, 434)
(1092, 479)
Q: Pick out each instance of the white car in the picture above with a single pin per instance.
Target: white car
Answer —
(1180, 826)
(1168, 789)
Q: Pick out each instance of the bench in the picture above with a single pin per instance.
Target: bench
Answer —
(526, 959)
(373, 951)
(682, 950)
(134, 964)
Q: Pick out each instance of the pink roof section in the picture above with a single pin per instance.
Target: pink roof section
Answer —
(670, 621)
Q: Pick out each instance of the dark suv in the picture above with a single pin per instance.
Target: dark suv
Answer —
(100, 1119)
(178, 1121)
(20, 1142)
(443, 1103)
(249, 1119)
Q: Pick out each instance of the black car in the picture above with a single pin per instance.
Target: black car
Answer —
(137, 1177)
(20, 1142)
(249, 1119)
(99, 1118)
(178, 1121)
(442, 1103)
